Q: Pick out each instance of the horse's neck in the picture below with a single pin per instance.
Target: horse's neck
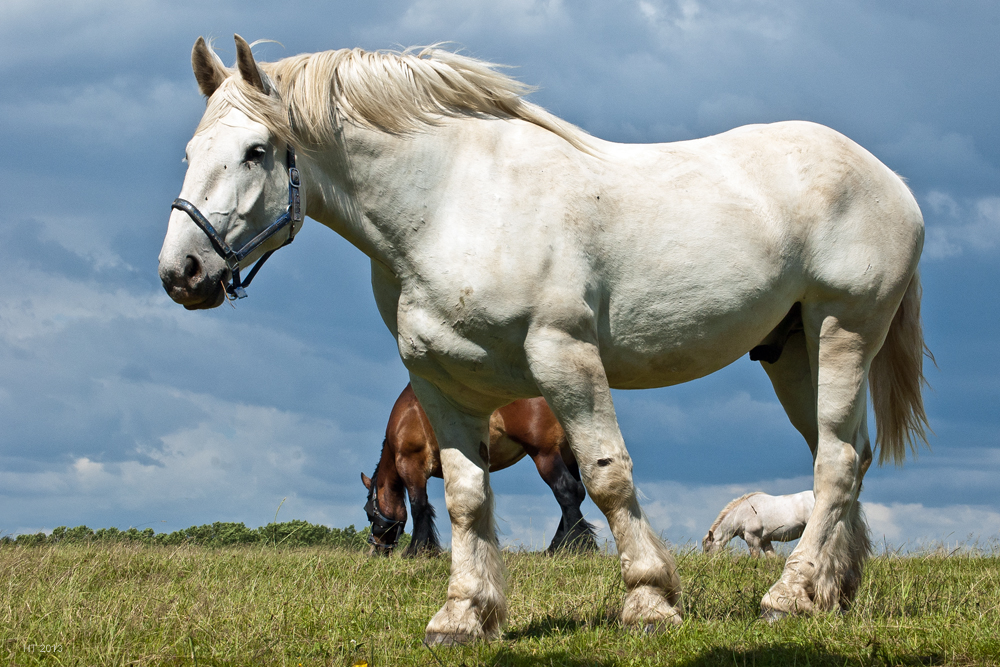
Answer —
(732, 523)
(391, 489)
(375, 188)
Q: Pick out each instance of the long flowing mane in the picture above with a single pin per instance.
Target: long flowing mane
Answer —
(394, 92)
(729, 508)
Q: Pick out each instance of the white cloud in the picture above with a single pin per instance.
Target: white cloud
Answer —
(685, 422)
(115, 112)
(912, 525)
(36, 303)
(955, 227)
(234, 462)
(518, 17)
(673, 18)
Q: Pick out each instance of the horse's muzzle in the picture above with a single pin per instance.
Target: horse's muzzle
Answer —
(190, 284)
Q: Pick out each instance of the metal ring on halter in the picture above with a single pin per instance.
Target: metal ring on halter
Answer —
(293, 214)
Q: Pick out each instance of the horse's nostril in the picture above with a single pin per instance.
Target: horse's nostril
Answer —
(192, 267)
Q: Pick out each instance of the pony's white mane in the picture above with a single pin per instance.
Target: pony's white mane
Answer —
(729, 508)
(394, 92)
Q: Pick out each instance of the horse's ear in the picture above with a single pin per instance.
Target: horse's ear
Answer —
(208, 69)
(366, 480)
(248, 66)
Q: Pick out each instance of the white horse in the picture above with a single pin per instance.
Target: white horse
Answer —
(759, 519)
(513, 255)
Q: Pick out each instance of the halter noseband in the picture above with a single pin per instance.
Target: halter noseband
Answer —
(381, 524)
(293, 214)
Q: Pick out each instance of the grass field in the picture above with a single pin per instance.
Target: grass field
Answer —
(154, 605)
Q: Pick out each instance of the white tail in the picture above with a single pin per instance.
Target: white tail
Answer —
(896, 380)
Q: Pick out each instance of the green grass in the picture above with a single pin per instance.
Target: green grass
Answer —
(133, 604)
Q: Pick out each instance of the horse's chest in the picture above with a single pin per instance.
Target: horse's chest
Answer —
(457, 343)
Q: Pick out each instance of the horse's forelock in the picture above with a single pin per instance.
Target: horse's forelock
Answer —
(234, 93)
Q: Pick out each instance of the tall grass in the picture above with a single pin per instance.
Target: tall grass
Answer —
(135, 604)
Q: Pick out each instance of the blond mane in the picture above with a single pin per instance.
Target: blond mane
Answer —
(394, 92)
(729, 508)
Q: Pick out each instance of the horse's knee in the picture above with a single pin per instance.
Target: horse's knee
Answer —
(568, 491)
(468, 498)
(609, 480)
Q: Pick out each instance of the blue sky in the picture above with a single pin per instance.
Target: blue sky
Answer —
(119, 408)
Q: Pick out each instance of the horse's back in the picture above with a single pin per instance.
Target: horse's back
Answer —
(785, 517)
(675, 259)
(715, 239)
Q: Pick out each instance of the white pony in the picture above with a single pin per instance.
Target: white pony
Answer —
(513, 255)
(759, 519)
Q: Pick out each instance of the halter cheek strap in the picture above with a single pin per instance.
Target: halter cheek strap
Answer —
(381, 524)
(293, 214)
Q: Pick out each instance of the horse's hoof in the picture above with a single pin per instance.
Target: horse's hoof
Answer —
(772, 616)
(448, 639)
(661, 627)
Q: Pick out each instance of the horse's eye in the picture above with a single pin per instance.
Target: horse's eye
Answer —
(255, 154)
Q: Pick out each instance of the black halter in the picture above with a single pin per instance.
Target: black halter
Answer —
(382, 525)
(292, 215)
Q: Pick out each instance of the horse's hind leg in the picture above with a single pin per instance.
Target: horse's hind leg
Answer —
(825, 568)
(571, 376)
(795, 385)
(574, 532)
(476, 606)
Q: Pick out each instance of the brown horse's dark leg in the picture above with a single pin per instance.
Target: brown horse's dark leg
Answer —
(425, 535)
(574, 532)
(417, 459)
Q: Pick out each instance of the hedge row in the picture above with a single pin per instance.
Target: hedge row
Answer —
(219, 534)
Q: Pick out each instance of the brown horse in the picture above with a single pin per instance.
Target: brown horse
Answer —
(410, 456)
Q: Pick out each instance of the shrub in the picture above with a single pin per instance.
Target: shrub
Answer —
(296, 533)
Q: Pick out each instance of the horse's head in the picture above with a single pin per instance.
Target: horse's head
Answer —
(385, 531)
(708, 543)
(240, 184)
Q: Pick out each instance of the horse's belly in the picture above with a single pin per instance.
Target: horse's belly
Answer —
(669, 346)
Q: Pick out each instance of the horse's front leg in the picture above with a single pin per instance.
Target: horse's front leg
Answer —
(476, 606)
(753, 541)
(425, 539)
(571, 376)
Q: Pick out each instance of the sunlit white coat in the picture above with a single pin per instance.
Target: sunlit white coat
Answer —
(512, 255)
(760, 519)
